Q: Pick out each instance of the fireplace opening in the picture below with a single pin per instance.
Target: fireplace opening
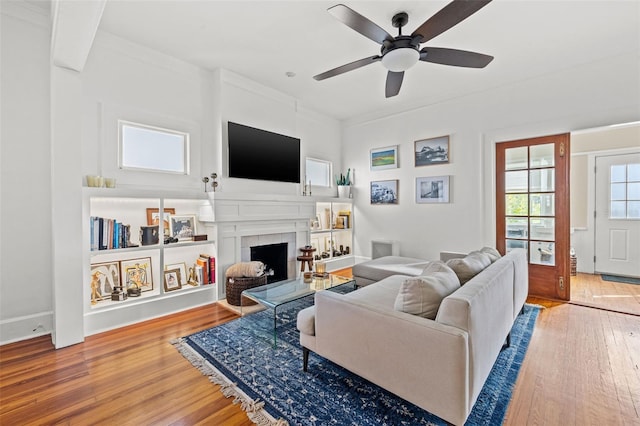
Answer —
(274, 256)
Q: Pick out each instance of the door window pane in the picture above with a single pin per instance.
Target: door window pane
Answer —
(542, 155)
(516, 158)
(516, 181)
(514, 244)
(618, 191)
(542, 180)
(618, 210)
(516, 205)
(633, 191)
(542, 253)
(542, 204)
(634, 210)
(542, 228)
(619, 173)
(633, 171)
(517, 227)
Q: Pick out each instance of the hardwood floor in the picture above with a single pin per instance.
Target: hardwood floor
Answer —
(591, 290)
(581, 368)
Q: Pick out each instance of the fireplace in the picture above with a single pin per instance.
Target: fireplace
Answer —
(275, 258)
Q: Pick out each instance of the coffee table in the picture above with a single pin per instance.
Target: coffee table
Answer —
(276, 294)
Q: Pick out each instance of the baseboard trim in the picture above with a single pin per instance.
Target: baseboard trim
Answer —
(25, 327)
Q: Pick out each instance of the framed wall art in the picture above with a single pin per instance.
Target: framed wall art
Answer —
(104, 278)
(172, 280)
(153, 217)
(384, 158)
(182, 227)
(432, 151)
(433, 189)
(384, 192)
(182, 267)
(137, 272)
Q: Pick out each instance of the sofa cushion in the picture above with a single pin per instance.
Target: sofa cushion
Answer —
(307, 321)
(469, 266)
(381, 294)
(492, 253)
(422, 295)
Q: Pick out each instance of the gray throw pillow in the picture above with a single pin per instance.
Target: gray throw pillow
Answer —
(422, 295)
(492, 253)
(468, 267)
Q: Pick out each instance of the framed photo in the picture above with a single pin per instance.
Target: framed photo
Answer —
(432, 151)
(432, 189)
(153, 218)
(182, 227)
(172, 280)
(104, 278)
(328, 244)
(384, 192)
(341, 222)
(384, 158)
(315, 243)
(137, 272)
(182, 267)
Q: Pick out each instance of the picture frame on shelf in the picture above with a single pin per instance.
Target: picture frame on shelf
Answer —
(340, 222)
(105, 276)
(433, 189)
(384, 158)
(172, 280)
(182, 267)
(384, 192)
(315, 243)
(328, 244)
(137, 272)
(153, 217)
(431, 151)
(182, 227)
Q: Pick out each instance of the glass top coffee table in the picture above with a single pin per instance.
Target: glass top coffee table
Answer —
(276, 294)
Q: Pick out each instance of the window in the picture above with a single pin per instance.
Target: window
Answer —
(624, 194)
(143, 147)
(318, 172)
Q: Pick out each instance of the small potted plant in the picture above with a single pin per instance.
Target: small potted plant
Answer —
(344, 185)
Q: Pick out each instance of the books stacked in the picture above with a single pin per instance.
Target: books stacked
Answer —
(206, 268)
(107, 234)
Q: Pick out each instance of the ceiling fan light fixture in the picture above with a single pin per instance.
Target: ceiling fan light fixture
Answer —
(400, 59)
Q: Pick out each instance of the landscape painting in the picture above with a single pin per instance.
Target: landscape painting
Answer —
(384, 158)
(432, 151)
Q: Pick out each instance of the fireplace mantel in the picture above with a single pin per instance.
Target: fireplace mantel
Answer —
(241, 207)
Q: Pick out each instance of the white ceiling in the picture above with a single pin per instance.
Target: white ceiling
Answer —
(262, 40)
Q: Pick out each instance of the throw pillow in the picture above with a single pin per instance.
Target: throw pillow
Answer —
(245, 269)
(482, 257)
(422, 295)
(468, 267)
(492, 253)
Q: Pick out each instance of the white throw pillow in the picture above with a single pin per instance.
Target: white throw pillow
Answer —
(492, 253)
(422, 295)
(468, 267)
(484, 258)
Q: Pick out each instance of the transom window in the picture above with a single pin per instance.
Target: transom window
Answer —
(318, 172)
(624, 192)
(143, 147)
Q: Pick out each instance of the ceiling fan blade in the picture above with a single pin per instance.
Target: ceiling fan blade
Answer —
(455, 57)
(450, 15)
(394, 82)
(347, 67)
(359, 23)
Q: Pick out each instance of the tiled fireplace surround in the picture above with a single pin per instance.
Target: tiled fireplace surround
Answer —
(245, 220)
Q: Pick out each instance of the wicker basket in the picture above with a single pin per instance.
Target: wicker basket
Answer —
(236, 285)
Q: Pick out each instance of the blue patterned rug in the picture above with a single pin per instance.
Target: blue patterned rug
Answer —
(273, 390)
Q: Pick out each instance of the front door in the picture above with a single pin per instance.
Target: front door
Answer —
(532, 209)
(618, 215)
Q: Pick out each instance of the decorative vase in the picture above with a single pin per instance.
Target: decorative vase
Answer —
(344, 191)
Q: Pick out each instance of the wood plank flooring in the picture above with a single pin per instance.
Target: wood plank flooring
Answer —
(582, 367)
(591, 290)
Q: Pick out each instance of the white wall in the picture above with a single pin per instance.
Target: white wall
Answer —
(25, 166)
(572, 99)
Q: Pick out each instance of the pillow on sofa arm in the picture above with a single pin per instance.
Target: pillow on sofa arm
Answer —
(469, 266)
(492, 253)
(422, 295)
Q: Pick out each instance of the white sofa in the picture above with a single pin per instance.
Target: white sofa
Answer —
(441, 364)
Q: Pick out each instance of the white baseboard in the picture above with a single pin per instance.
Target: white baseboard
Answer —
(25, 327)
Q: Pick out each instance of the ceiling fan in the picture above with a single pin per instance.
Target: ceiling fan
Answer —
(400, 53)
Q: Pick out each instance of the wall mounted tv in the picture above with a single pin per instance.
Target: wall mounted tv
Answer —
(259, 154)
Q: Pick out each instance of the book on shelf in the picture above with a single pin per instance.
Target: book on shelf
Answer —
(108, 234)
(208, 264)
(204, 264)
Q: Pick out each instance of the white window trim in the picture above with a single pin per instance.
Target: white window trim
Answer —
(330, 174)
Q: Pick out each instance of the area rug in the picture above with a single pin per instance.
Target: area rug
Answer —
(270, 385)
(620, 279)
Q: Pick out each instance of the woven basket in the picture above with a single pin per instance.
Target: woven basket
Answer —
(236, 285)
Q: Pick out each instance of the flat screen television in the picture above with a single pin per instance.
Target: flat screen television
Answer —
(262, 155)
